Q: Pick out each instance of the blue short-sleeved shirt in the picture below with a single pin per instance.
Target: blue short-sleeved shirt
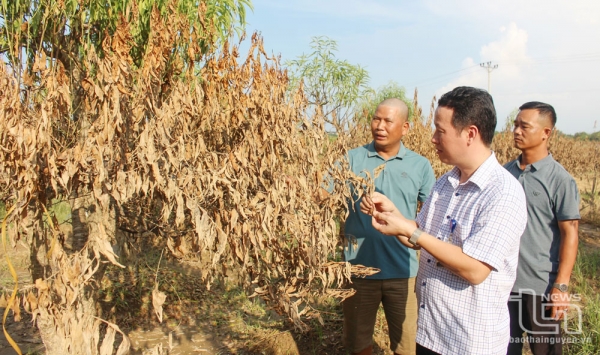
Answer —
(406, 179)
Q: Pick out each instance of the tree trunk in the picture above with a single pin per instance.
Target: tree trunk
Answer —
(67, 316)
(32, 226)
(74, 330)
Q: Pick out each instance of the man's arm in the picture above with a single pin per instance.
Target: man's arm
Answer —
(451, 256)
(454, 259)
(569, 241)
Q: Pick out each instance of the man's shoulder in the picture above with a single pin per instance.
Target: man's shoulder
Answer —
(358, 155)
(417, 159)
(505, 196)
(559, 172)
(442, 180)
(414, 155)
(511, 164)
(503, 174)
(503, 182)
(362, 150)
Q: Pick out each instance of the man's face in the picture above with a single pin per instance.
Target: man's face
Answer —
(449, 142)
(388, 128)
(531, 130)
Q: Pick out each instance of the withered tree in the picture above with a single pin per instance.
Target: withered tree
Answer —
(191, 134)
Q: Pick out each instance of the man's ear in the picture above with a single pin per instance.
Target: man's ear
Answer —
(472, 134)
(548, 132)
(405, 127)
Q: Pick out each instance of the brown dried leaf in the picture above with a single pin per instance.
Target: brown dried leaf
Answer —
(108, 342)
(124, 346)
(378, 171)
(158, 299)
(105, 248)
(41, 285)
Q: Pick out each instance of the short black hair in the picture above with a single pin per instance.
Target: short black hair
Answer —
(542, 108)
(471, 106)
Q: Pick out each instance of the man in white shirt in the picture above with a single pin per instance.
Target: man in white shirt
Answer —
(469, 231)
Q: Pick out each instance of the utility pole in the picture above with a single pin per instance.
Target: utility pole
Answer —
(489, 68)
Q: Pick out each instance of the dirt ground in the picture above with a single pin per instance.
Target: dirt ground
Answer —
(194, 328)
(194, 337)
(196, 324)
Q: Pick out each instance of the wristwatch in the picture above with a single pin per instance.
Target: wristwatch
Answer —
(414, 237)
(561, 287)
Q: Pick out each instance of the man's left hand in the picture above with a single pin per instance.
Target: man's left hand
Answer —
(560, 304)
(391, 223)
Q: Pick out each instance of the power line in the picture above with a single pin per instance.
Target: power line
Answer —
(423, 81)
(548, 92)
(561, 58)
(569, 58)
(555, 61)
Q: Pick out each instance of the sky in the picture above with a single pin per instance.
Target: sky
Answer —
(545, 50)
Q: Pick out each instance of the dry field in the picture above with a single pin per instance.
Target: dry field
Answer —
(169, 194)
(223, 319)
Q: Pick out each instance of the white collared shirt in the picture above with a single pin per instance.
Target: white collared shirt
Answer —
(486, 217)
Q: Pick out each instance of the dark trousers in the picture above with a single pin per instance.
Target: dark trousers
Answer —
(528, 315)
(421, 350)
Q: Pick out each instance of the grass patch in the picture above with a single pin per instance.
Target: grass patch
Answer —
(590, 202)
(60, 209)
(585, 283)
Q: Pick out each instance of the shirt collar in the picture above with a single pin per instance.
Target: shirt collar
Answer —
(481, 177)
(372, 152)
(540, 164)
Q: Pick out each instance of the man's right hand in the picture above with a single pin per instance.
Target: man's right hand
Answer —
(377, 202)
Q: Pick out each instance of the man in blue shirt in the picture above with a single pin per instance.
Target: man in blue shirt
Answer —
(405, 178)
